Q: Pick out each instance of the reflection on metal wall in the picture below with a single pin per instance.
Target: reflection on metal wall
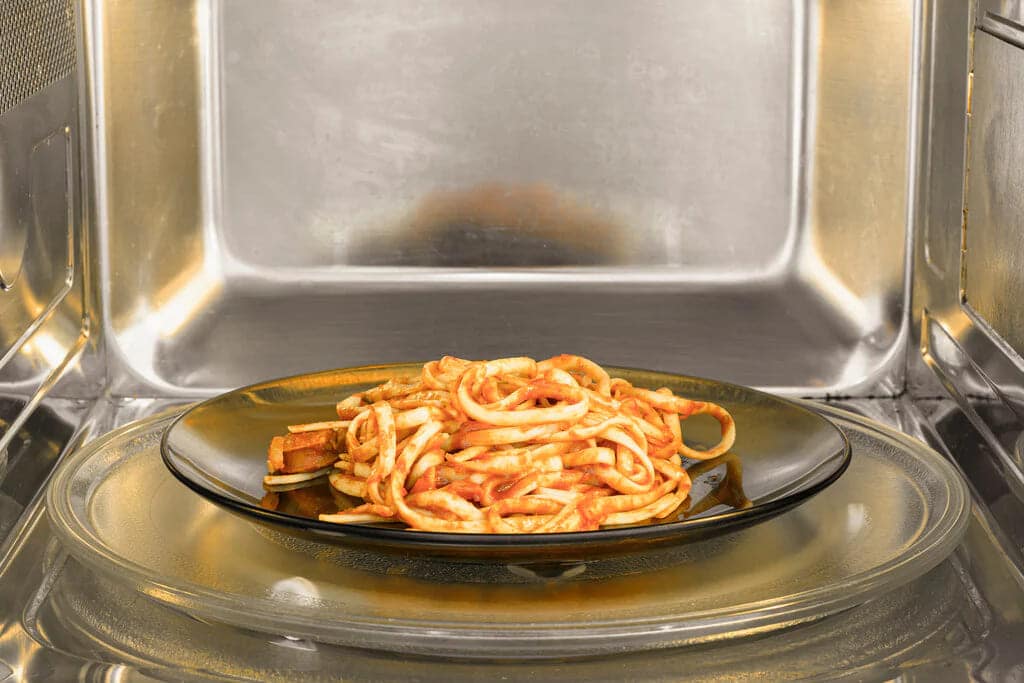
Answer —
(994, 267)
(44, 331)
(621, 133)
(968, 276)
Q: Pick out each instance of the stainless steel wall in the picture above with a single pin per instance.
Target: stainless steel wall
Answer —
(45, 283)
(968, 279)
(712, 188)
(967, 276)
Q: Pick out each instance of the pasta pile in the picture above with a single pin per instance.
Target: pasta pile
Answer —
(503, 446)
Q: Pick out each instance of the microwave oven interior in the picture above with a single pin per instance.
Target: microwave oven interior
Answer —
(820, 198)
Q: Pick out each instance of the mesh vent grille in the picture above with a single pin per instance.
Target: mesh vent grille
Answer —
(37, 47)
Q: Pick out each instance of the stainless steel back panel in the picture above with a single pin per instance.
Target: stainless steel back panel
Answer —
(565, 133)
(285, 188)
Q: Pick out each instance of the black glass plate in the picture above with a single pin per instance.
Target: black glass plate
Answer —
(783, 455)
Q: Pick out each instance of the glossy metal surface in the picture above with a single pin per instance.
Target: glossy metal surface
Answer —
(784, 454)
(899, 511)
(45, 345)
(965, 276)
(419, 129)
(42, 245)
(994, 261)
(40, 211)
(1007, 13)
(32, 453)
(371, 182)
(186, 317)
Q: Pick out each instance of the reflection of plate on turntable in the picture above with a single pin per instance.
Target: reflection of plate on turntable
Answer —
(788, 454)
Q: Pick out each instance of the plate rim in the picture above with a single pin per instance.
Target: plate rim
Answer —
(494, 542)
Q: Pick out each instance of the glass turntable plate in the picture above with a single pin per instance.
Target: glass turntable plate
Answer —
(783, 455)
(898, 511)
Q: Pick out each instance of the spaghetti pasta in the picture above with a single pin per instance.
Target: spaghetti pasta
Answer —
(502, 446)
